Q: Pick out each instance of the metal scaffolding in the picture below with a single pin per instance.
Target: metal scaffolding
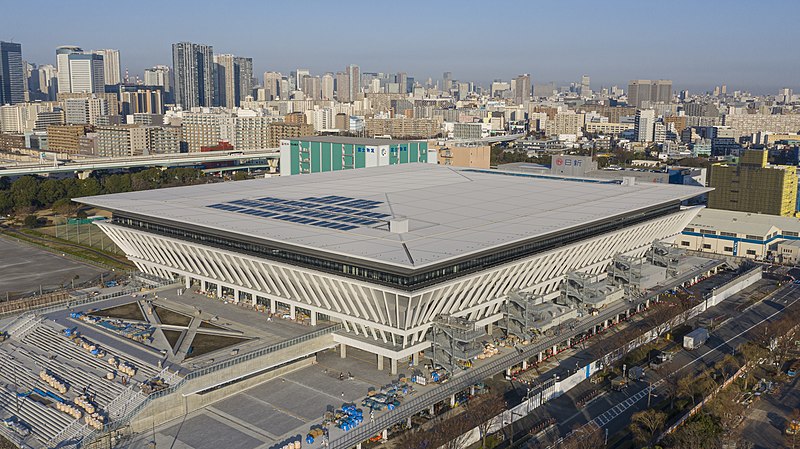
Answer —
(521, 311)
(455, 340)
(625, 270)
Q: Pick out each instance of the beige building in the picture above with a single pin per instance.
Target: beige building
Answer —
(65, 138)
(163, 139)
(565, 123)
(463, 156)
(747, 124)
(608, 128)
(789, 252)
(280, 131)
(753, 186)
(742, 234)
(402, 127)
(121, 140)
(205, 129)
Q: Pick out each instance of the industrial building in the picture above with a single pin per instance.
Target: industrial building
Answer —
(742, 234)
(390, 250)
(332, 153)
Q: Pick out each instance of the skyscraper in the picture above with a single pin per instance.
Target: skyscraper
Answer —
(354, 75)
(272, 85)
(225, 87)
(86, 73)
(447, 81)
(327, 86)
(244, 87)
(522, 89)
(111, 67)
(639, 91)
(194, 74)
(62, 64)
(12, 76)
(343, 87)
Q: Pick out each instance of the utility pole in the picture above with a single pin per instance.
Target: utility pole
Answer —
(649, 393)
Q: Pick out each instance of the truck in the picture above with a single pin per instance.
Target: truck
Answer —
(619, 383)
(695, 338)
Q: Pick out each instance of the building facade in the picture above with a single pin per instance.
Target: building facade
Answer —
(12, 77)
(323, 154)
(193, 66)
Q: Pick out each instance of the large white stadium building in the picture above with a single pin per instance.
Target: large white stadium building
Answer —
(385, 250)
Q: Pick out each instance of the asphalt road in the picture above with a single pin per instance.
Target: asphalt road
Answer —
(613, 410)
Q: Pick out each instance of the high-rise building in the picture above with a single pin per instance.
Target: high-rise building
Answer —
(47, 80)
(447, 81)
(86, 73)
(193, 65)
(225, 87)
(272, 85)
(327, 86)
(754, 186)
(343, 87)
(160, 76)
(354, 77)
(311, 87)
(85, 111)
(641, 91)
(643, 125)
(522, 89)
(244, 86)
(62, 63)
(297, 77)
(111, 66)
(12, 75)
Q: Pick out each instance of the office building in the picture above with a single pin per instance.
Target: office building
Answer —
(644, 124)
(343, 87)
(141, 100)
(62, 65)
(327, 86)
(86, 73)
(522, 89)
(272, 85)
(226, 80)
(411, 241)
(160, 76)
(193, 66)
(331, 153)
(206, 128)
(565, 123)
(111, 66)
(754, 186)
(85, 110)
(12, 76)
(642, 91)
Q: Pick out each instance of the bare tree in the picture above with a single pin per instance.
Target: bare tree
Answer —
(587, 437)
(485, 411)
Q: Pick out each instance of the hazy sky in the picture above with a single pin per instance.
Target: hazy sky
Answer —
(750, 45)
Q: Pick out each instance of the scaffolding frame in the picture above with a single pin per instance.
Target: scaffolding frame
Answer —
(453, 340)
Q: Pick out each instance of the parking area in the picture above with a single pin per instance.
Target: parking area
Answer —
(25, 268)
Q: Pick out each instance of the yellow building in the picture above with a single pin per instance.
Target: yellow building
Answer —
(64, 138)
(754, 186)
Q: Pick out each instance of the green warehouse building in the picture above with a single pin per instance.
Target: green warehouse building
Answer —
(331, 153)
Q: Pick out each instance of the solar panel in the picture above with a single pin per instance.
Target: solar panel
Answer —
(344, 213)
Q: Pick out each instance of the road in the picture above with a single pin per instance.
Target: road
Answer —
(613, 410)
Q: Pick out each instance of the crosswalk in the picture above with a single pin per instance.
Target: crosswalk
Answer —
(620, 408)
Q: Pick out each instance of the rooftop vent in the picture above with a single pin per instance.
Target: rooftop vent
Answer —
(398, 225)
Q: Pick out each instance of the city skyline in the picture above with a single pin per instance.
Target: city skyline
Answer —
(450, 41)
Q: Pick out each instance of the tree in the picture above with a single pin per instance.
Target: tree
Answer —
(65, 207)
(484, 412)
(24, 191)
(646, 424)
(700, 432)
(586, 437)
(6, 202)
(240, 176)
(31, 221)
(50, 191)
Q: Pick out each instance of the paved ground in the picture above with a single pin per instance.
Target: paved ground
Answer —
(767, 417)
(23, 268)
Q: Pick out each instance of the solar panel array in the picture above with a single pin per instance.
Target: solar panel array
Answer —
(332, 211)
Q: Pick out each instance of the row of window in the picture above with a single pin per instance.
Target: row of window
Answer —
(407, 281)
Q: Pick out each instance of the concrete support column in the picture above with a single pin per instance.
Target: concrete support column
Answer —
(85, 174)
(203, 285)
(431, 410)
(343, 350)
(253, 300)
(236, 295)
(393, 363)
(313, 318)
(472, 390)
(219, 290)
(490, 328)
(415, 359)
(555, 349)
(408, 422)
(508, 371)
(188, 282)
(358, 446)
(273, 305)
(525, 364)
(569, 342)
(452, 400)
(380, 362)
(540, 357)
(292, 311)
(385, 434)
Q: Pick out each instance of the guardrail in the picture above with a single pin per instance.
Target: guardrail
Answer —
(112, 425)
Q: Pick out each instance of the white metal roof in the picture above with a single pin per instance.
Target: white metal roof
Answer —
(452, 212)
(744, 223)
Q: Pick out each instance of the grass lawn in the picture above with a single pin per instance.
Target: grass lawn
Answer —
(205, 343)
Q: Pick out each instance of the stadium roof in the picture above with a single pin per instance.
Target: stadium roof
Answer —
(451, 212)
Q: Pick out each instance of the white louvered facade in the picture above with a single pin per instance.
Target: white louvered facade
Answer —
(386, 320)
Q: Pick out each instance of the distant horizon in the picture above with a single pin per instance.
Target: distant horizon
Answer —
(613, 43)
